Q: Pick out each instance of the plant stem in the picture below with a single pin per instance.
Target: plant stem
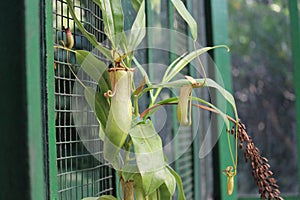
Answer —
(136, 105)
(127, 189)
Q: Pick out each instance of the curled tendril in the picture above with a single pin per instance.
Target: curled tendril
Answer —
(109, 93)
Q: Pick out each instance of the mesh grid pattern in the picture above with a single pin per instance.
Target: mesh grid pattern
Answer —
(79, 174)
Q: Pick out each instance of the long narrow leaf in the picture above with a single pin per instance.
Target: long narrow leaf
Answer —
(136, 4)
(138, 30)
(91, 38)
(98, 103)
(180, 7)
(171, 66)
(209, 83)
(224, 116)
(187, 59)
(175, 84)
(225, 93)
(113, 19)
(181, 195)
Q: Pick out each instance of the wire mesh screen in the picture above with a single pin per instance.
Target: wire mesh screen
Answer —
(79, 173)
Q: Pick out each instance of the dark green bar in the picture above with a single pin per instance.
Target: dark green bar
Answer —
(49, 99)
(219, 23)
(295, 36)
(21, 152)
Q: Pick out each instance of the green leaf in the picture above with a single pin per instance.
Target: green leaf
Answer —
(148, 146)
(180, 7)
(181, 195)
(144, 74)
(91, 38)
(138, 30)
(172, 65)
(95, 68)
(129, 171)
(104, 197)
(107, 197)
(224, 116)
(186, 60)
(113, 19)
(98, 103)
(164, 192)
(138, 187)
(225, 93)
(136, 4)
(175, 84)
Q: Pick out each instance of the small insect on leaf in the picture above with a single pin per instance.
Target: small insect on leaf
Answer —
(230, 179)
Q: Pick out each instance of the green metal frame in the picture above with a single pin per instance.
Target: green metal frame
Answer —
(22, 172)
(50, 100)
(295, 37)
(219, 35)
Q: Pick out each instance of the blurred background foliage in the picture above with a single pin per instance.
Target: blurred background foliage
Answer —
(263, 84)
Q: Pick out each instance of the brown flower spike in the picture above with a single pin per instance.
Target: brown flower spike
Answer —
(260, 168)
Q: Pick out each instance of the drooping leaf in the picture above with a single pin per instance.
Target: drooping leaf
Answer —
(224, 92)
(164, 193)
(209, 83)
(170, 181)
(186, 60)
(91, 38)
(138, 187)
(148, 146)
(95, 68)
(181, 195)
(153, 180)
(185, 14)
(175, 84)
(157, 179)
(223, 115)
(138, 30)
(98, 103)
